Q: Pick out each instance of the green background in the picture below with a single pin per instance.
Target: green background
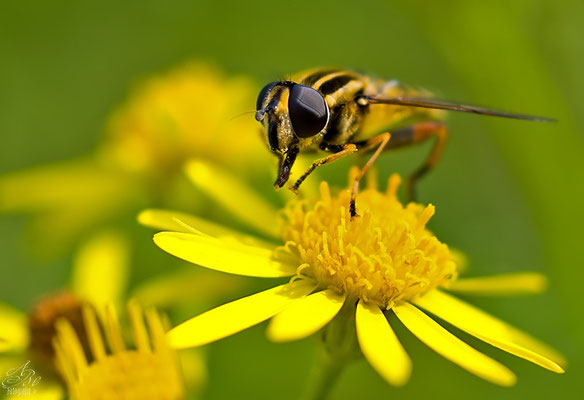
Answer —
(508, 193)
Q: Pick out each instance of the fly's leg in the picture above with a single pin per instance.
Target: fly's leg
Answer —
(379, 140)
(418, 133)
(345, 149)
(414, 134)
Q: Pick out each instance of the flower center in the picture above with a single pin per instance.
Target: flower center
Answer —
(42, 318)
(384, 256)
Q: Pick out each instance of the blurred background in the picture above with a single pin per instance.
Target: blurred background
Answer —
(508, 193)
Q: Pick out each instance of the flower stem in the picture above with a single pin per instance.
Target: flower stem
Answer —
(324, 376)
(337, 348)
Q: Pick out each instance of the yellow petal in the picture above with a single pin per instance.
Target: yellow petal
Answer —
(14, 332)
(194, 368)
(460, 258)
(68, 198)
(490, 329)
(304, 317)
(186, 285)
(58, 185)
(113, 332)
(93, 333)
(221, 255)
(67, 225)
(71, 344)
(100, 269)
(234, 196)
(452, 348)
(501, 285)
(380, 345)
(141, 339)
(180, 222)
(236, 316)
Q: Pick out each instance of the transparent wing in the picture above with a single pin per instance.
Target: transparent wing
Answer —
(446, 105)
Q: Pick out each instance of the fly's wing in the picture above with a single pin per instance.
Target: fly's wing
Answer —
(446, 105)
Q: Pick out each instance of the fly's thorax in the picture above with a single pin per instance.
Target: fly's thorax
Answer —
(345, 121)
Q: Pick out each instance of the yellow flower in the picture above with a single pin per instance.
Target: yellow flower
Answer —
(183, 113)
(99, 277)
(348, 272)
(186, 113)
(150, 371)
(74, 200)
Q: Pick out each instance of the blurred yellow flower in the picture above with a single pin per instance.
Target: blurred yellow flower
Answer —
(99, 278)
(186, 112)
(150, 371)
(183, 113)
(193, 111)
(348, 275)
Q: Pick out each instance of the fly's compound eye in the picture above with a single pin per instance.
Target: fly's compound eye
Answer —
(263, 94)
(308, 111)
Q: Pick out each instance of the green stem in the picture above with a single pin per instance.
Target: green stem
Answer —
(338, 347)
(324, 376)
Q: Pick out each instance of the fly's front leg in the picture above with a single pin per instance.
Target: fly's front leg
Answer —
(340, 151)
(381, 142)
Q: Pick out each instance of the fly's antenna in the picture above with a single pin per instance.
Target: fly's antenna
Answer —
(259, 116)
(242, 114)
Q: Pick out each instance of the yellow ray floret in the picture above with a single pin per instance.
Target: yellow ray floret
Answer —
(176, 221)
(14, 335)
(508, 284)
(100, 269)
(232, 194)
(381, 346)
(491, 330)
(232, 257)
(306, 316)
(238, 315)
(452, 348)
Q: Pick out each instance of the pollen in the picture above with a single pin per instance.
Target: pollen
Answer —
(148, 371)
(384, 256)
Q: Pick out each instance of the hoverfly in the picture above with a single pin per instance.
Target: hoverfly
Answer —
(341, 112)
